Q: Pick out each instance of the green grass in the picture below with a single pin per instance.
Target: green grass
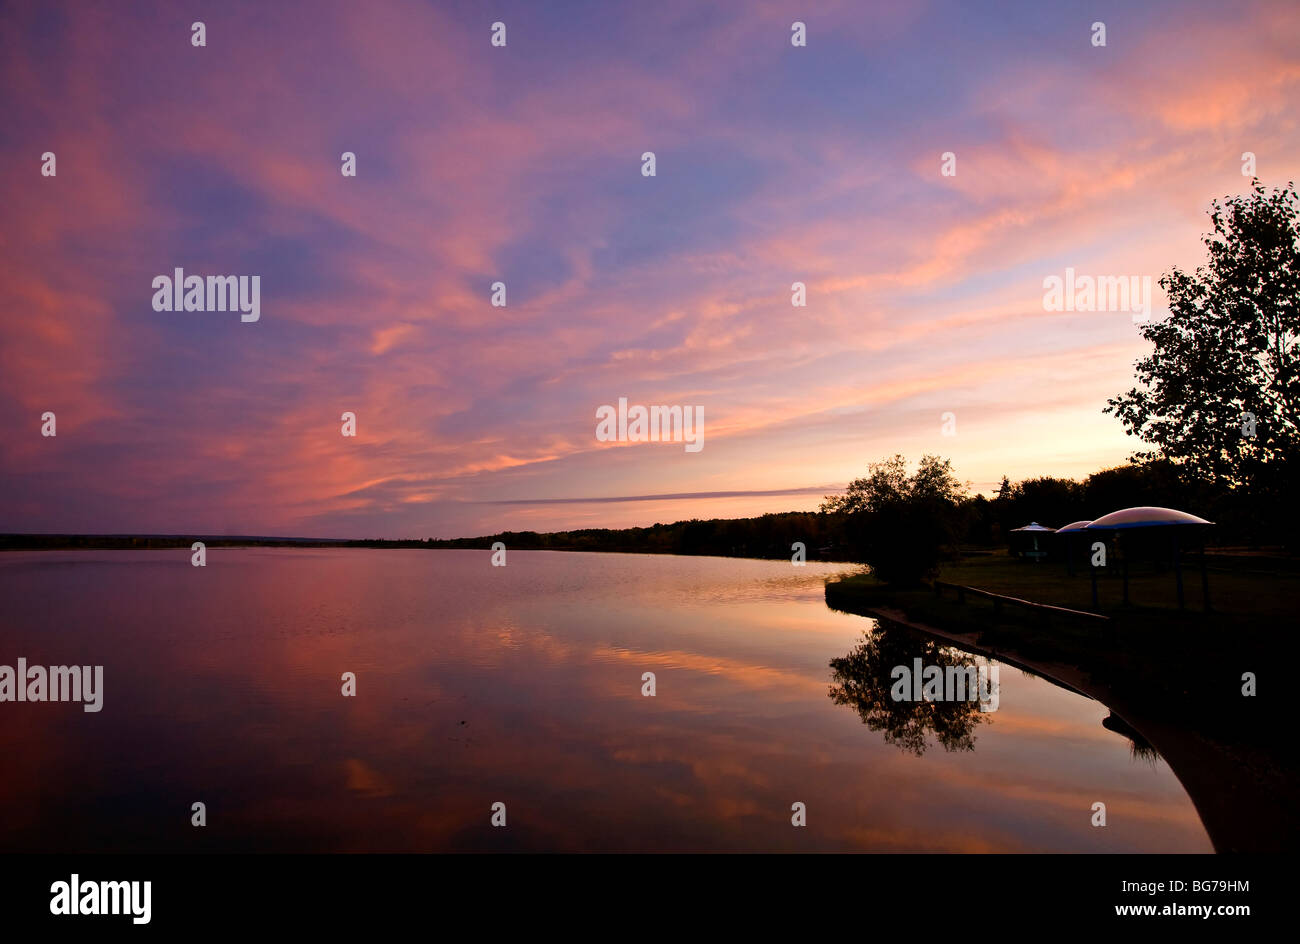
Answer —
(1240, 588)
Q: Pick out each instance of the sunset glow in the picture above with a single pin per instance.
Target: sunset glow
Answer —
(775, 165)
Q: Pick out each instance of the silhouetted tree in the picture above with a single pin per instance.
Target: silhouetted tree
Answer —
(901, 524)
(1226, 350)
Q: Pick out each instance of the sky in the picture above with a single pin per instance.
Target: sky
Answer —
(522, 164)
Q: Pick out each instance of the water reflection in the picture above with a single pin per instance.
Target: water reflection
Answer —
(520, 684)
(1140, 747)
(864, 679)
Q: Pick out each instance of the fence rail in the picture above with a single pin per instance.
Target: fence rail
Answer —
(1000, 599)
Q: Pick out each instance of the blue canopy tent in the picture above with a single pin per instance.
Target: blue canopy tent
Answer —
(1148, 516)
(1070, 530)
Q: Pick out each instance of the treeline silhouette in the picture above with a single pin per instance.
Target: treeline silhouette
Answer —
(1242, 517)
(146, 542)
(767, 536)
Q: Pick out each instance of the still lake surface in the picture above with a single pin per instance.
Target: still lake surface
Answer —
(522, 685)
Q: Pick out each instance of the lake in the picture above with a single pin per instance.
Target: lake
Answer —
(522, 685)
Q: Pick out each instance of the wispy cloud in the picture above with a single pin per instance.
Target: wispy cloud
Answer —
(521, 164)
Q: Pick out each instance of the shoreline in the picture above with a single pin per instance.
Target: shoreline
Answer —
(1241, 807)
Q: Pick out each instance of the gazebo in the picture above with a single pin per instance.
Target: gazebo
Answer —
(1148, 516)
(1033, 530)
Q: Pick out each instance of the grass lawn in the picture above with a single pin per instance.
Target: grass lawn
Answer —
(1240, 587)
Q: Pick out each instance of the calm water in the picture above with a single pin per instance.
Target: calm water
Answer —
(523, 685)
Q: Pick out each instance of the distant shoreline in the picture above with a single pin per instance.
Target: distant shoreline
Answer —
(767, 537)
(129, 542)
(20, 543)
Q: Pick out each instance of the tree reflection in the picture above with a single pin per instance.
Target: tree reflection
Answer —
(862, 680)
(1139, 746)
